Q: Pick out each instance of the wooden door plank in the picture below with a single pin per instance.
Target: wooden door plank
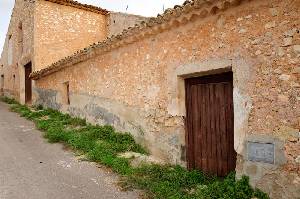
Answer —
(214, 110)
(222, 130)
(219, 130)
(196, 121)
(204, 128)
(190, 151)
(209, 129)
(198, 150)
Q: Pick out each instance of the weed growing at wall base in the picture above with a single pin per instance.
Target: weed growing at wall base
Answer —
(102, 144)
(9, 100)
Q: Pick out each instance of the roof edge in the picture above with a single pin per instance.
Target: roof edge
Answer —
(129, 14)
(78, 5)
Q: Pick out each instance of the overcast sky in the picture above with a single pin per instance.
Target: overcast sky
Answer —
(144, 7)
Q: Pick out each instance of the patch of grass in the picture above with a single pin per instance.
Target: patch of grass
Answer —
(8, 100)
(229, 188)
(102, 144)
(105, 155)
(176, 182)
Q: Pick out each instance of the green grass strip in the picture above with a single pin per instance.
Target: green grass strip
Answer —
(102, 144)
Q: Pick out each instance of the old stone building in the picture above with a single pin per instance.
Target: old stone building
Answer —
(211, 85)
(44, 31)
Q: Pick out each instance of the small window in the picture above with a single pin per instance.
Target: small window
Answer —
(67, 93)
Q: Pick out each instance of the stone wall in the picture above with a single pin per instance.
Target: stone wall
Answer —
(18, 48)
(139, 87)
(62, 30)
(118, 21)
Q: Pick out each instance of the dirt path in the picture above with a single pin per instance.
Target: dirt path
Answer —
(31, 168)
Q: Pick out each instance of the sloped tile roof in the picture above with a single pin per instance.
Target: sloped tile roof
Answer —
(190, 10)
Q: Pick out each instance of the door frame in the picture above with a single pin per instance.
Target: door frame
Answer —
(243, 75)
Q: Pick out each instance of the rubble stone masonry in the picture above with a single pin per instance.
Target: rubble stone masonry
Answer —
(17, 49)
(117, 21)
(139, 87)
(62, 30)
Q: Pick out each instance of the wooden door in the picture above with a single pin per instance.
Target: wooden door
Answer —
(2, 85)
(209, 124)
(28, 84)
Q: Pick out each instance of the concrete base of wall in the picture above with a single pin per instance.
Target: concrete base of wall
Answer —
(165, 143)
